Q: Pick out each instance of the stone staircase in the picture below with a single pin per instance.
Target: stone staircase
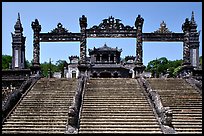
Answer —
(44, 109)
(116, 105)
(185, 102)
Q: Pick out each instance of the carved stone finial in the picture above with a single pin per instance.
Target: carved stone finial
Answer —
(111, 24)
(36, 26)
(83, 21)
(139, 21)
(59, 30)
(163, 28)
(186, 25)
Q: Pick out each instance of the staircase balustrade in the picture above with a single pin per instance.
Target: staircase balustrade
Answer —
(164, 113)
(16, 96)
(74, 109)
(195, 84)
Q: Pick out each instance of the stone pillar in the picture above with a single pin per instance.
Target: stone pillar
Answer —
(186, 43)
(101, 57)
(109, 55)
(83, 25)
(36, 43)
(114, 60)
(139, 52)
(194, 43)
(18, 46)
(83, 67)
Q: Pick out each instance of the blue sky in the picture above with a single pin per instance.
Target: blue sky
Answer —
(50, 14)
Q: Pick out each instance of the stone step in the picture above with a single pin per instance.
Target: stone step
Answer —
(187, 123)
(117, 117)
(116, 103)
(113, 105)
(38, 120)
(33, 126)
(47, 100)
(137, 113)
(185, 120)
(116, 98)
(33, 132)
(34, 123)
(186, 107)
(42, 107)
(117, 109)
(40, 111)
(120, 132)
(189, 132)
(188, 129)
(32, 129)
(114, 130)
(118, 120)
(32, 116)
(97, 92)
(49, 93)
(44, 104)
(187, 126)
(187, 117)
(137, 106)
(118, 126)
(183, 105)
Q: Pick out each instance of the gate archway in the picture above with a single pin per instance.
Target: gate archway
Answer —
(113, 28)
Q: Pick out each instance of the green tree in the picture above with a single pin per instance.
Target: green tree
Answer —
(46, 68)
(200, 60)
(6, 61)
(60, 64)
(162, 65)
(28, 64)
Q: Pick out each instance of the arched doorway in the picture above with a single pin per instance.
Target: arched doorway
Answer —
(73, 74)
(105, 75)
(94, 75)
(115, 75)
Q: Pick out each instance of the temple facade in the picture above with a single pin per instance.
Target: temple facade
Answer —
(72, 70)
(104, 62)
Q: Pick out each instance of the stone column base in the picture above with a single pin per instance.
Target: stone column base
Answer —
(83, 69)
(35, 69)
(138, 70)
(186, 71)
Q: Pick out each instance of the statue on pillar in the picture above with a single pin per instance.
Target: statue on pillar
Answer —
(186, 46)
(83, 21)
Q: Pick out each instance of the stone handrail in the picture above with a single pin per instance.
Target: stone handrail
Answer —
(195, 83)
(75, 108)
(164, 113)
(15, 98)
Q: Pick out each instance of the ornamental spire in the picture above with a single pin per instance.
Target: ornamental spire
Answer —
(18, 26)
(193, 23)
(192, 17)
